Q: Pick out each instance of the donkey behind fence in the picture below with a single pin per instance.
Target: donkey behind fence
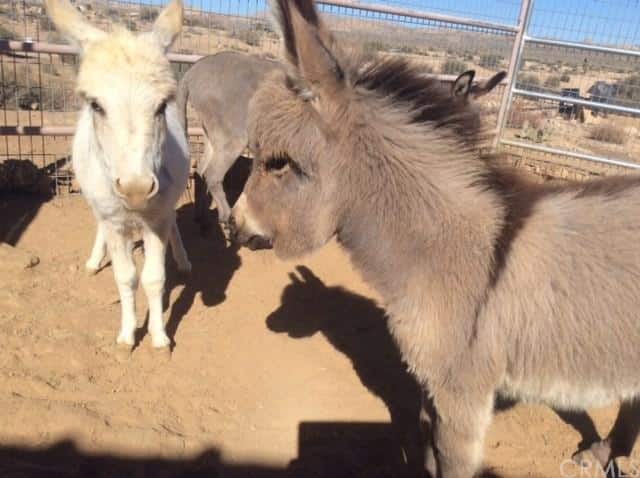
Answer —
(130, 152)
(491, 283)
(219, 88)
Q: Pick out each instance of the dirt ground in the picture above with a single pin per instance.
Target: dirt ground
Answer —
(278, 369)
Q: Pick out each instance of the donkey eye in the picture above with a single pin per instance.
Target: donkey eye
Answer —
(95, 106)
(277, 162)
(161, 109)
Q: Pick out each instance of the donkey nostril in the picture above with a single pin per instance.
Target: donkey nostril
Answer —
(154, 187)
(117, 185)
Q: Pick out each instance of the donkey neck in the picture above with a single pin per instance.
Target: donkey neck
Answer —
(421, 223)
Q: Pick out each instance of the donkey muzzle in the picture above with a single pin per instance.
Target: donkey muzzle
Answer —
(136, 191)
(247, 238)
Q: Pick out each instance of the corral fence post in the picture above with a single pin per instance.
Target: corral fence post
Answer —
(514, 67)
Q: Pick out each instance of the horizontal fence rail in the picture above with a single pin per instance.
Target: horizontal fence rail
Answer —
(573, 154)
(607, 93)
(582, 46)
(577, 101)
(403, 12)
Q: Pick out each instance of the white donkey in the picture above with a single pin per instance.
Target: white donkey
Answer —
(130, 152)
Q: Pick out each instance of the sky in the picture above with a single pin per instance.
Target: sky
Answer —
(605, 22)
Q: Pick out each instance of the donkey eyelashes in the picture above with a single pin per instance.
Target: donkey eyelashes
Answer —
(281, 163)
(277, 162)
(96, 107)
(161, 109)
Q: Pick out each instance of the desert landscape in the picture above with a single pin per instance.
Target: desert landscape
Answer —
(38, 89)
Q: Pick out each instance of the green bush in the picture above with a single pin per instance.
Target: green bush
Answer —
(528, 79)
(629, 88)
(608, 133)
(375, 47)
(148, 14)
(7, 34)
(453, 67)
(552, 82)
(565, 78)
(45, 24)
(250, 37)
(490, 61)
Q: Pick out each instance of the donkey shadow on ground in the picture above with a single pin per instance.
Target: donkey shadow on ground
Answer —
(356, 327)
(213, 259)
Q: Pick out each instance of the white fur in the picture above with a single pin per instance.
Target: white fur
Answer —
(116, 224)
(129, 77)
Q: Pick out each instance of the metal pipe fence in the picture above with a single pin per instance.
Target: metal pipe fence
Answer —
(573, 89)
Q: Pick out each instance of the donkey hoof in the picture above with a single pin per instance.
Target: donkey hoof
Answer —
(583, 458)
(160, 341)
(602, 452)
(91, 267)
(126, 339)
(599, 453)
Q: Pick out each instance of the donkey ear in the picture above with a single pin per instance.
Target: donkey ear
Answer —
(168, 24)
(309, 47)
(490, 84)
(462, 86)
(71, 24)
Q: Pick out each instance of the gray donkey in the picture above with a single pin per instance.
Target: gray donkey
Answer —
(491, 284)
(219, 88)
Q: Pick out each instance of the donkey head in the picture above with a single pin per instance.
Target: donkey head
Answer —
(125, 81)
(296, 123)
(340, 141)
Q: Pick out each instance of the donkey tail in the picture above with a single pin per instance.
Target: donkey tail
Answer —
(182, 97)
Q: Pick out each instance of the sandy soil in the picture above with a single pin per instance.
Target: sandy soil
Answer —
(278, 369)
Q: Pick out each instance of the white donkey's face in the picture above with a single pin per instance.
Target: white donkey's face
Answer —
(126, 82)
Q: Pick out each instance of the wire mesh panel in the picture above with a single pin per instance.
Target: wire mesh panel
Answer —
(578, 83)
(38, 88)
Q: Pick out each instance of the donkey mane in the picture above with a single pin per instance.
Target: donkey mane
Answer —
(427, 100)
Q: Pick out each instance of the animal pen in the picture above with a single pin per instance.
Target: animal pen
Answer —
(571, 98)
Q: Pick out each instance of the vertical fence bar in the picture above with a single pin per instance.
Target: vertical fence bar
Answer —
(514, 66)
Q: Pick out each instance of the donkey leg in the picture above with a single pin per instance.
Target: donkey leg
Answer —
(153, 278)
(177, 249)
(621, 438)
(201, 199)
(124, 270)
(461, 424)
(97, 252)
(226, 149)
(427, 421)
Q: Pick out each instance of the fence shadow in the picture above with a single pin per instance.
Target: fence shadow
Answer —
(356, 327)
(325, 450)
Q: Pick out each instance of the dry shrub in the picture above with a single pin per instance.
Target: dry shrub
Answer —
(552, 81)
(608, 133)
(519, 116)
(453, 67)
(248, 36)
